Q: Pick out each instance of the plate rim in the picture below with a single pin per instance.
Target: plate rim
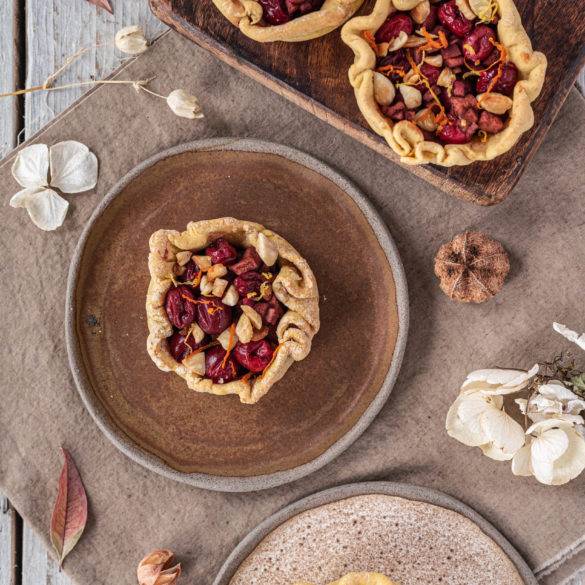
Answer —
(407, 491)
(234, 483)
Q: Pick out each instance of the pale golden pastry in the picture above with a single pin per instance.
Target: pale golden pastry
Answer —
(248, 16)
(359, 579)
(426, 130)
(284, 303)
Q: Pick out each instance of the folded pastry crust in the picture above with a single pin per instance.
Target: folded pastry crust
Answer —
(360, 579)
(294, 286)
(405, 137)
(247, 16)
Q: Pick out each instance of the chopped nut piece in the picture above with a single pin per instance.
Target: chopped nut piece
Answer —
(219, 286)
(472, 267)
(260, 333)
(435, 60)
(254, 317)
(398, 42)
(183, 257)
(412, 96)
(244, 329)
(224, 339)
(446, 78)
(204, 262)
(205, 286)
(195, 363)
(196, 333)
(384, 90)
(414, 41)
(216, 271)
(178, 270)
(465, 9)
(231, 297)
(266, 249)
(425, 119)
(421, 12)
(482, 9)
(495, 103)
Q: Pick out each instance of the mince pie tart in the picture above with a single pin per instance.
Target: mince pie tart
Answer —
(287, 20)
(230, 306)
(447, 82)
(360, 579)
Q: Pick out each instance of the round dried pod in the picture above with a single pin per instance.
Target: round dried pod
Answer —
(384, 90)
(472, 267)
(495, 103)
(157, 568)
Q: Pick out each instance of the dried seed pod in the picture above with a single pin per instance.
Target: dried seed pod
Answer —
(157, 568)
(421, 12)
(472, 267)
(131, 40)
(495, 103)
(384, 90)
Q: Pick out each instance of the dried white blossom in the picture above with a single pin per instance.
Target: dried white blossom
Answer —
(570, 334)
(498, 381)
(184, 105)
(131, 40)
(553, 400)
(71, 167)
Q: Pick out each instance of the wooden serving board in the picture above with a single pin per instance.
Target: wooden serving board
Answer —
(313, 75)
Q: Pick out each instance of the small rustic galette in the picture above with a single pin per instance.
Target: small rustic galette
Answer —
(287, 20)
(447, 82)
(230, 306)
(360, 579)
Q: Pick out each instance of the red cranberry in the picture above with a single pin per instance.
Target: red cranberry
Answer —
(180, 348)
(249, 282)
(191, 272)
(274, 311)
(214, 368)
(180, 310)
(393, 26)
(461, 87)
(479, 43)
(221, 252)
(213, 316)
(451, 17)
(504, 85)
(254, 356)
(250, 261)
(491, 123)
(274, 12)
(431, 19)
(453, 134)
(430, 72)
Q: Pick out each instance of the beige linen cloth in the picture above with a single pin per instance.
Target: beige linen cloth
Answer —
(133, 510)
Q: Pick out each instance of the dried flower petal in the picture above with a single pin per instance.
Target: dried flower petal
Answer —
(156, 569)
(184, 105)
(131, 40)
(570, 334)
(46, 208)
(74, 168)
(31, 166)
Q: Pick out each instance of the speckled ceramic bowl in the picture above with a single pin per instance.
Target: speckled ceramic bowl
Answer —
(323, 403)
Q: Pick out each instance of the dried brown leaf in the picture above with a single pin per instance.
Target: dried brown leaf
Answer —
(70, 511)
(104, 4)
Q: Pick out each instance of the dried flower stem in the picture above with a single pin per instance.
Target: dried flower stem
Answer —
(158, 95)
(36, 88)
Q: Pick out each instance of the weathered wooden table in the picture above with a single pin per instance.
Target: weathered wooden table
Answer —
(36, 36)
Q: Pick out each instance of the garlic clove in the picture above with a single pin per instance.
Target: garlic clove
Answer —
(384, 90)
(412, 96)
(421, 12)
(231, 297)
(244, 329)
(31, 166)
(495, 103)
(465, 9)
(131, 40)
(46, 208)
(219, 286)
(184, 104)
(183, 257)
(254, 317)
(266, 249)
(74, 168)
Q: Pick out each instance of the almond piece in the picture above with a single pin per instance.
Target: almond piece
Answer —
(224, 339)
(266, 249)
(421, 11)
(425, 119)
(219, 286)
(495, 103)
(204, 262)
(435, 60)
(195, 363)
(465, 9)
(216, 271)
(446, 78)
(398, 42)
(254, 317)
(197, 333)
(205, 286)
(183, 257)
(414, 41)
(384, 90)
(231, 297)
(244, 329)
(412, 96)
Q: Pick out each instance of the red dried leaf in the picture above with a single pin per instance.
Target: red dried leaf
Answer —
(105, 4)
(70, 511)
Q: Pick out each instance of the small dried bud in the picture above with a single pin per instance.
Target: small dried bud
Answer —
(157, 568)
(184, 104)
(131, 40)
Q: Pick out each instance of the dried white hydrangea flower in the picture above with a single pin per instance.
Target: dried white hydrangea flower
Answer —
(184, 104)
(553, 400)
(131, 40)
(72, 168)
(570, 334)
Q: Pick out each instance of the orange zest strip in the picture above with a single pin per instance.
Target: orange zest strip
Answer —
(391, 69)
(205, 347)
(231, 345)
(432, 43)
(210, 310)
(369, 38)
(501, 62)
(271, 359)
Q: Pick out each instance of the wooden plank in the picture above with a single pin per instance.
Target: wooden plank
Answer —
(7, 543)
(314, 76)
(39, 568)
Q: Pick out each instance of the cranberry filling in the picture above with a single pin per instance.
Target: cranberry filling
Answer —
(277, 12)
(186, 304)
(473, 62)
(254, 356)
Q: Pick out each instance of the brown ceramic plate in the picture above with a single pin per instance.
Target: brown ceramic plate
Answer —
(412, 534)
(323, 403)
